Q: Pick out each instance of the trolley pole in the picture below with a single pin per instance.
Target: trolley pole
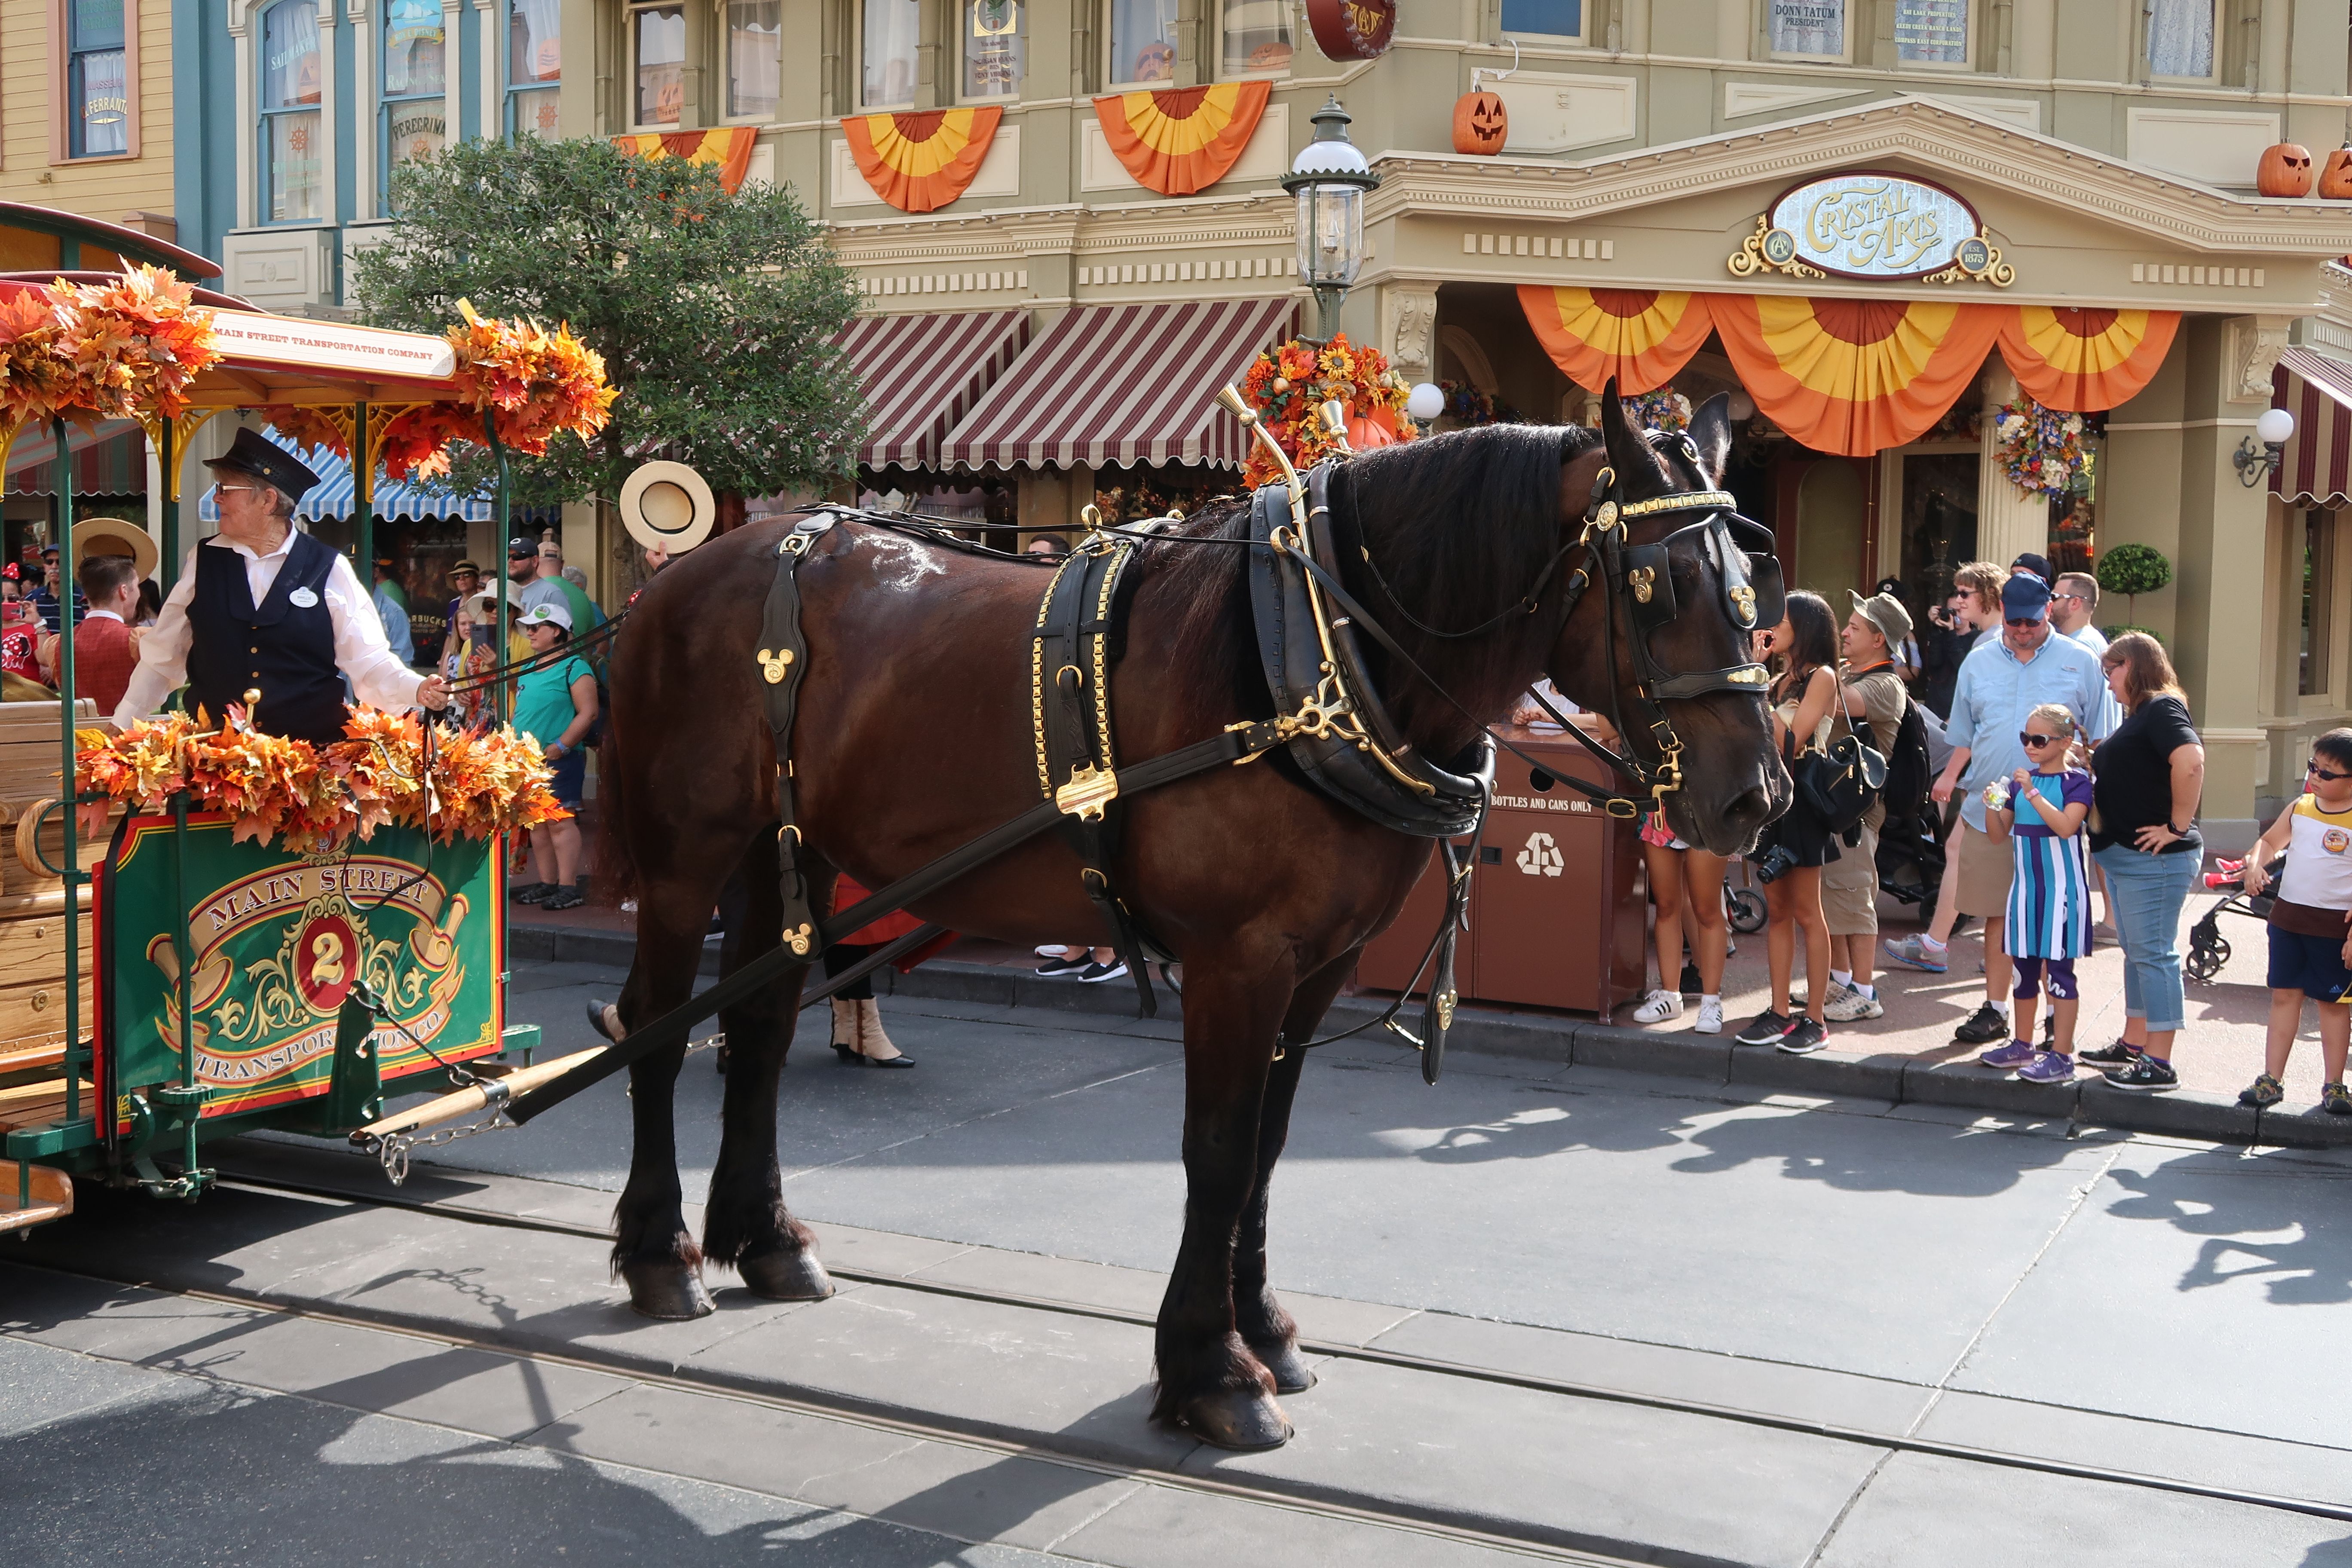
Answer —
(363, 472)
(167, 458)
(72, 876)
(506, 523)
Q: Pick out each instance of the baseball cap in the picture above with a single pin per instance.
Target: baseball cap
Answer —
(2037, 564)
(519, 547)
(545, 616)
(1885, 612)
(2024, 599)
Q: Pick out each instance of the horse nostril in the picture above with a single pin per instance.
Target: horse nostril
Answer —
(1750, 808)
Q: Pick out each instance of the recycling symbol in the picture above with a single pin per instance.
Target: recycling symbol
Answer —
(1541, 856)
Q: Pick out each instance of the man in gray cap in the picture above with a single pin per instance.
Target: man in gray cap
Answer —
(262, 605)
(1873, 691)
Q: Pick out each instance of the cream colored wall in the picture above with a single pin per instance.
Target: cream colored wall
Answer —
(106, 189)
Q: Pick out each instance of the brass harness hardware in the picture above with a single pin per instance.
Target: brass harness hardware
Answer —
(1644, 579)
(772, 666)
(800, 938)
(1743, 599)
(1090, 790)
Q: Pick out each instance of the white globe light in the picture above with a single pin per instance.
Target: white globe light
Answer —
(1425, 402)
(2274, 427)
(1741, 407)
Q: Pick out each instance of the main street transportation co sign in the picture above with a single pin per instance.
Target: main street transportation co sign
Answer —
(1870, 225)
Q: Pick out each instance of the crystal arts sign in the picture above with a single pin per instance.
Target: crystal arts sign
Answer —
(1871, 224)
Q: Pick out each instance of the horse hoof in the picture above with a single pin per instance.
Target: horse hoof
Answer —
(786, 1276)
(1291, 1372)
(667, 1290)
(1232, 1419)
(604, 1017)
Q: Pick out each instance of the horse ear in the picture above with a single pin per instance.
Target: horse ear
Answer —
(1639, 471)
(1710, 431)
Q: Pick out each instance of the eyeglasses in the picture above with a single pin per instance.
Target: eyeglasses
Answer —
(2032, 742)
(2026, 621)
(232, 489)
(2316, 770)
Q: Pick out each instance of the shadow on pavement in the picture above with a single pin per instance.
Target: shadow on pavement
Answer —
(2254, 1230)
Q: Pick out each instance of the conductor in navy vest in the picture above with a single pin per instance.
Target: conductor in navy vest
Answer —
(262, 605)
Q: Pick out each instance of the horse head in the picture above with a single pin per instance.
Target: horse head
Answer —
(1662, 643)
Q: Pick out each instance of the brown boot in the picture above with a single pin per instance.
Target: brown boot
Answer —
(872, 1044)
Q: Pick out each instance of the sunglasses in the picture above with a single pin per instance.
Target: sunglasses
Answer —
(2026, 621)
(2031, 742)
(2316, 770)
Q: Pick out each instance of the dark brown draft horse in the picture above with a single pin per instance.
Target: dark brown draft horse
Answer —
(913, 736)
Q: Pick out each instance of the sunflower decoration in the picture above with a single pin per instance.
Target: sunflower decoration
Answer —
(1289, 383)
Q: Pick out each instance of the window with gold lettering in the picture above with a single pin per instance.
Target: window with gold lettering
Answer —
(1809, 29)
(1931, 32)
(534, 67)
(412, 101)
(293, 149)
(98, 88)
(995, 48)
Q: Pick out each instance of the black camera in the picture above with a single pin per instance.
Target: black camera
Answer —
(1777, 862)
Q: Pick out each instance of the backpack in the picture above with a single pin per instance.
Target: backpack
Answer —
(1908, 775)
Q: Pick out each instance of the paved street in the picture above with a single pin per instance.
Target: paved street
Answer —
(1566, 1310)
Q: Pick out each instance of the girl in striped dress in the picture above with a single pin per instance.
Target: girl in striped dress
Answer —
(2049, 916)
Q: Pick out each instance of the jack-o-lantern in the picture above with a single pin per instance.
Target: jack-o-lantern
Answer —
(1480, 122)
(2284, 171)
(2335, 177)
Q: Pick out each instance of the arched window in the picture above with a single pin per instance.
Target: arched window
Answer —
(534, 67)
(660, 44)
(293, 138)
(415, 108)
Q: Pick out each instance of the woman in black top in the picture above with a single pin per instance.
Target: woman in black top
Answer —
(1789, 854)
(2146, 781)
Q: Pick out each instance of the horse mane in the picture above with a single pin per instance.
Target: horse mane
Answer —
(1457, 524)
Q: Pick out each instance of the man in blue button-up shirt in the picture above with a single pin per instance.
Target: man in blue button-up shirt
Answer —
(2001, 683)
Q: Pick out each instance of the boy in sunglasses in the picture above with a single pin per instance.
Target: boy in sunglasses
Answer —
(2311, 923)
(2047, 925)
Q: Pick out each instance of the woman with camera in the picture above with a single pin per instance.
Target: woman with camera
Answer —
(1789, 856)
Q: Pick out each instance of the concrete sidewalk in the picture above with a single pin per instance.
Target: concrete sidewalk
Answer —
(1908, 1056)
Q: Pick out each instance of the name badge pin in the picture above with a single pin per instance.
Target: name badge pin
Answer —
(301, 598)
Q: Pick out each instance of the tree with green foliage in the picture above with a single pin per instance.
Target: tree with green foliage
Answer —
(2132, 570)
(716, 311)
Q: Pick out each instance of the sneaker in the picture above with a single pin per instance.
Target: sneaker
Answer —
(532, 893)
(2264, 1090)
(2335, 1100)
(2008, 1057)
(1766, 1030)
(1657, 1007)
(569, 897)
(1804, 1038)
(1096, 973)
(2049, 1067)
(2145, 1072)
(1847, 1006)
(1710, 1018)
(1913, 952)
(1064, 968)
(1985, 1024)
(1690, 984)
(2122, 1054)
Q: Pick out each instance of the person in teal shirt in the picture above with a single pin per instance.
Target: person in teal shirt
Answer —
(555, 704)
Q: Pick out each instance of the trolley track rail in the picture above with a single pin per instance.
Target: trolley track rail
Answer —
(848, 1409)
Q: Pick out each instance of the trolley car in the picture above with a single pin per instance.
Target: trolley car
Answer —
(188, 985)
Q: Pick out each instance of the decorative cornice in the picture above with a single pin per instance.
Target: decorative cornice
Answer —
(1934, 136)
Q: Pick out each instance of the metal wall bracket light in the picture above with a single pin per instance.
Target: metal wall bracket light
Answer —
(1329, 178)
(2257, 464)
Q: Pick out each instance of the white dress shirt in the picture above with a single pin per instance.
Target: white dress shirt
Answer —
(375, 672)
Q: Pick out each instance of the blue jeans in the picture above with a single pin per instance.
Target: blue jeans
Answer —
(2146, 893)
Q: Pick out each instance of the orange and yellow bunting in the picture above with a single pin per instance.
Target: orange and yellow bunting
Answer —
(729, 147)
(1854, 377)
(1185, 139)
(1641, 336)
(2084, 359)
(920, 161)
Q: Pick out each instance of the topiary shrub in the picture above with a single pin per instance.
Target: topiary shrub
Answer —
(2132, 570)
(2112, 633)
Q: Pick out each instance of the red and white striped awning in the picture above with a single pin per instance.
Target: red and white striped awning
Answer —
(2315, 466)
(923, 373)
(1123, 384)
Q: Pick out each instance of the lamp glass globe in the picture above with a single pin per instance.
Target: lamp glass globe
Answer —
(2274, 427)
(1425, 402)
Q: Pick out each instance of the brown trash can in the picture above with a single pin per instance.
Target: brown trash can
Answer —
(1554, 921)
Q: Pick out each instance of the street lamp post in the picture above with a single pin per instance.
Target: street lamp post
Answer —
(1329, 178)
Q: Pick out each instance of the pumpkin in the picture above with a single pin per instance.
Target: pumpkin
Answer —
(2336, 178)
(1480, 122)
(1367, 431)
(2284, 171)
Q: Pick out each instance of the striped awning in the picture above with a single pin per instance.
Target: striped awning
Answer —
(111, 460)
(1123, 384)
(337, 494)
(922, 373)
(2315, 466)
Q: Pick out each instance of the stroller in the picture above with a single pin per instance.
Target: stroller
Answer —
(2209, 950)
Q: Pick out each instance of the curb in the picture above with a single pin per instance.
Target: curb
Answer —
(1582, 1042)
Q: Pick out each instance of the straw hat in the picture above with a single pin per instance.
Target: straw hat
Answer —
(114, 536)
(667, 506)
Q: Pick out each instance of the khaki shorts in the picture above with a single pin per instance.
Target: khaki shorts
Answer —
(1986, 868)
(1849, 888)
